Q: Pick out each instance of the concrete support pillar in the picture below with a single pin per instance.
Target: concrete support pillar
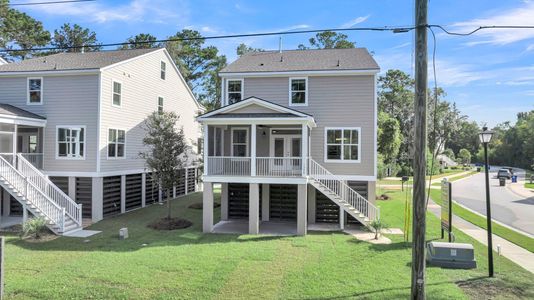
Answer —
(143, 190)
(302, 199)
(224, 201)
(97, 209)
(72, 188)
(265, 202)
(254, 209)
(123, 194)
(311, 204)
(174, 191)
(6, 203)
(24, 214)
(207, 208)
(371, 191)
(341, 218)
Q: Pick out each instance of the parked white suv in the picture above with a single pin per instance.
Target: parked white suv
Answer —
(504, 173)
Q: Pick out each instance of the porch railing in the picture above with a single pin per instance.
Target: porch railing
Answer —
(228, 165)
(9, 157)
(36, 159)
(279, 166)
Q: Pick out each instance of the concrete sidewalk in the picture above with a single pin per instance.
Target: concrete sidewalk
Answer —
(520, 189)
(518, 255)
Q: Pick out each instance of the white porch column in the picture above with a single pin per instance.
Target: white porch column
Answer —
(253, 150)
(224, 201)
(98, 198)
(15, 142)
(205, 149)
(302, 199)
(265, 202)
(304, 149)
(311, 204)
(72, 188)
(341, 218)
(143, 189)
(207, 207)
(123, 194)
(254, 209)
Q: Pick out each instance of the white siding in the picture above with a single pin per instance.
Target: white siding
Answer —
(141, 86)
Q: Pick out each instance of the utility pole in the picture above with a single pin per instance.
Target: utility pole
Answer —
(420, 144)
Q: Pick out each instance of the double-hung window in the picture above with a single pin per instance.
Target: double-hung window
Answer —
(234, 90)
(35, 90)
(342, 144)
(117, 93)
(160, 105)
(239, 142)
(298, 91)
(163, 70)
(116, 143)
(71, 142)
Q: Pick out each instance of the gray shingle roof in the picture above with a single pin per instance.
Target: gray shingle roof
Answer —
(73, 61)
(304, 60)
(10, 110)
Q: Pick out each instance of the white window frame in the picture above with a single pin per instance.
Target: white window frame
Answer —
(342, 160)
(79, 127)
(305, 91)
(113, 81)
(247, 153)
(107, 140)
(162, 105)
(28, 91)
(242, 80)
(162, 71)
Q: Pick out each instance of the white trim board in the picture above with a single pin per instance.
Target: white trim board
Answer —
(290, 96)
(251, 101)
(229, 75)
(342, 161)
(16, 120)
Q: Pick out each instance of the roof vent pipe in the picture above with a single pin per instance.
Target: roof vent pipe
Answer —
(338, 62)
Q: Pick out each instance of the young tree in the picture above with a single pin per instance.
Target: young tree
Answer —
(166, 151)
(143, 40)
(464, 156)
(329, 40)
(75, 36)
(389, 137)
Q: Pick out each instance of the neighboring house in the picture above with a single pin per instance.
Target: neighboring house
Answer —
(78, 118)
(294, 141)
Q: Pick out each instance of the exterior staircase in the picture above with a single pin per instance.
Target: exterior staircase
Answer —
(40, 196)
(342, 194)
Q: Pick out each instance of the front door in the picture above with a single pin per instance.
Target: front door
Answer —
(286, 151)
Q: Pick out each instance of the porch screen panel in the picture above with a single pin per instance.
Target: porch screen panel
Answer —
(191, 180)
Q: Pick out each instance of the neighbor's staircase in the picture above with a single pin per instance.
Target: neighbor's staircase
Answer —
(40, 196)
(342, 194)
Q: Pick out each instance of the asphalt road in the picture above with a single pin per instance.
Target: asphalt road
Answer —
(506, 206)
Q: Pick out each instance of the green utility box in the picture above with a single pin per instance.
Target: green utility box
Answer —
(451, 255)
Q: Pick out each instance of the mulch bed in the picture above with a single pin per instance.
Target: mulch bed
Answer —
(198, 205)
(384, 197)
(170, 224)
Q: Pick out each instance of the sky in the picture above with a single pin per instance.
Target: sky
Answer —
(489, 75)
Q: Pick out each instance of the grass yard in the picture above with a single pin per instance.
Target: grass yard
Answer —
(452, 179)
(188, 264)
(529, 185)
(446, 172)
(502, 231)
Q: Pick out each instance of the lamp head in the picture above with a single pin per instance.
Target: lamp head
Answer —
(485, 135)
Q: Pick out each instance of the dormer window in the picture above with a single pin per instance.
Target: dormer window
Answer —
(234, 90)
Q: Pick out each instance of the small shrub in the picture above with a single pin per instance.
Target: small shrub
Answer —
(35, 227)
(378, 226)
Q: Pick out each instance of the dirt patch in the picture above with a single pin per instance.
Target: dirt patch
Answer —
(45, 237)
(383, 197)
(198, 205)
(170, 224)
(490, 289)
(15, 228)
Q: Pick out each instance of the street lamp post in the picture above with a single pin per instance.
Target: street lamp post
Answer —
(485, 138)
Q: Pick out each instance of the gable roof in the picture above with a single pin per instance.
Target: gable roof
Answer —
(3, 61)
(13, 111)
(304, 60)
(277, 111)
(70, 61)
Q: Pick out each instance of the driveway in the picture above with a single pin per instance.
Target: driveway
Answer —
(506, 206)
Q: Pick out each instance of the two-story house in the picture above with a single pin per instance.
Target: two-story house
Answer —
(294, 142)
(71, 130)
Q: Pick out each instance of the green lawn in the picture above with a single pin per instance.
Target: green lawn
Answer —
(529, 185)
(189, 264)
(446, 172)
(456, 178)
(502, 231)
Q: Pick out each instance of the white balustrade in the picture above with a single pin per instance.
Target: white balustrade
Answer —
(228, 165)
(36, 159)
(279, 166)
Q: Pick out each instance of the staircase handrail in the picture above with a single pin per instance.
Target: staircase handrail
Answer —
(72, 209)
(338, 186)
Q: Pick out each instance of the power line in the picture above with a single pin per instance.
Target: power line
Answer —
(214, 37)
(48, 2)
(481, 28)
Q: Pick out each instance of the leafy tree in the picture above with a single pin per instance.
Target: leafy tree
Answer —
(146, 41)
(464, 156)
(198, 64)
(449, 153)
(166, 151)
(75, 36)
(329, 40)
(465, 137)
(244, 49)
(20, 31)
(389, 137)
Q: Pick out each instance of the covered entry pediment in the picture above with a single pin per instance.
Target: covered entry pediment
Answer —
(256, 108)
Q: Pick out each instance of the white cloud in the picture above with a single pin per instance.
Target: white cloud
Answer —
(356, 21)
(523, 15)
(134, 11)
